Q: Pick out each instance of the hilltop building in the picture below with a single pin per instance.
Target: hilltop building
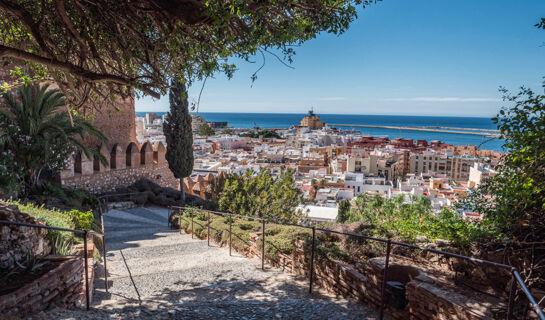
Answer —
(312, 121)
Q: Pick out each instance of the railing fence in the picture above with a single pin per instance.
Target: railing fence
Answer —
(515, 275)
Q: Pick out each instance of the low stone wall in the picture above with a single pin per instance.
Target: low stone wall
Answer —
(16, 242)
(432, 301)
(105, 181)
(63, 286)
(427, 297)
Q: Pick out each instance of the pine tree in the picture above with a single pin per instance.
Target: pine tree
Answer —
(179, 135)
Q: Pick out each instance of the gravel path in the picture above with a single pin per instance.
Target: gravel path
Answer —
(158, 273)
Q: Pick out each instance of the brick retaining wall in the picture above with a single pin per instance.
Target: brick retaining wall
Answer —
(63, 286)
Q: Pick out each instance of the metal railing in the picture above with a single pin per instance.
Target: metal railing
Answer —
(103, 200)
(85, 234)
(515, 275)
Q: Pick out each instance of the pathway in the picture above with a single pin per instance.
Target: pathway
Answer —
(158, 273)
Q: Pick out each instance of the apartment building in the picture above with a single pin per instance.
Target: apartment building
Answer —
(361, 183)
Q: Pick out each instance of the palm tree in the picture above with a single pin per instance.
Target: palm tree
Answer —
(40, 135)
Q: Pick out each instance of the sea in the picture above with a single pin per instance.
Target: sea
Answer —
(285, 120)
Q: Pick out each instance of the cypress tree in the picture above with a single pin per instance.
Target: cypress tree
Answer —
(178, 133)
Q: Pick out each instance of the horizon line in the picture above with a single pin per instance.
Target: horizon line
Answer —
(344, 114)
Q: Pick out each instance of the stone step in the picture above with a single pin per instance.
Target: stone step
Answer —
(148, 214)
(120, 214)
(181, 248)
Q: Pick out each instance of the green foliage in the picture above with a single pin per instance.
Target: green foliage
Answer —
(513, 201)
(31, 264)
(179, 135)
(280, 239)
(206, 131)
(82, 220)
(344, 211)
(62, 246)
(53, 218)
(109, 48)
(264, 133)
(10, 173)
(406, 220)
(52, 192)
(39, 136)
(262, 195)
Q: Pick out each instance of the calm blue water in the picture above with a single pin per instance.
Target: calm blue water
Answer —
(284, 120)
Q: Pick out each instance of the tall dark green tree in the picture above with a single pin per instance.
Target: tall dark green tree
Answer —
(178, 133)
(344, 211)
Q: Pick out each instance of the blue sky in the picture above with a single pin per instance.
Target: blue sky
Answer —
(420, 57)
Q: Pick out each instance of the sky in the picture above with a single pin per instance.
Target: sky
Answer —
(399, 57)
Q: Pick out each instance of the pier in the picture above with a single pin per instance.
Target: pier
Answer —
(490, 133)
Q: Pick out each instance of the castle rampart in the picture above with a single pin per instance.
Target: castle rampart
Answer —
(127, 164)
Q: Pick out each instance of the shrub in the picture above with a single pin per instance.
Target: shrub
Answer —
(53, 218)
(406, 220)
(40, 138)
(82, 220)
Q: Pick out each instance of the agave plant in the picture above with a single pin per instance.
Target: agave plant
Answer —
(31, 264)
(41, 134)
(63, 246)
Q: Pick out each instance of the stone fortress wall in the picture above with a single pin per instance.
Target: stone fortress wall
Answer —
(128, 160)
(127, 163)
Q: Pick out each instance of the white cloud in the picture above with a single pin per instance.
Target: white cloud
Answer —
(332, 99)
(444, 99)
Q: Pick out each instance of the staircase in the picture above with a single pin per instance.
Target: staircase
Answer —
(158, 273)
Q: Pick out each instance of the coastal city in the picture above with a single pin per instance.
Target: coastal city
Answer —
(290, 159)
(330, 164)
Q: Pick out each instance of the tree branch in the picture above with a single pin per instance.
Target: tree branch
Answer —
(74, 70)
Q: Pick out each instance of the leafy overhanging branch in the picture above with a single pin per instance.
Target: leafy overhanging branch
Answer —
(97, 50)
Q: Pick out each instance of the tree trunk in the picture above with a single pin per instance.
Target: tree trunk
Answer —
(182, 189)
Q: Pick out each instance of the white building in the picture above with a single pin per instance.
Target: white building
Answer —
(367, 184)
(320, 214)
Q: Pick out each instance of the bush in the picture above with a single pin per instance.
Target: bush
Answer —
(281, 239)
(52, 193)
(82, 220)
(407, 220)
(52, 218)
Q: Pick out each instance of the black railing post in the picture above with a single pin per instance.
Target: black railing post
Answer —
(208, 225)
(512, 290)
(311, 276)
(230, 223)
(263, 243)
(105, 264)
(384, 278)
(85, 264)
(103, 246)
(180, 224)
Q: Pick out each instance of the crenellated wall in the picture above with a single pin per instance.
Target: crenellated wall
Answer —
(127, 163)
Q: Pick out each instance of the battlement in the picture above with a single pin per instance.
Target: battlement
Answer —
(127, 163)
